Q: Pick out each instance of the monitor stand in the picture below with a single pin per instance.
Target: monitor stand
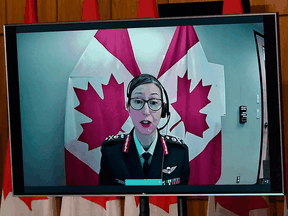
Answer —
(144, 206)
(145, 210)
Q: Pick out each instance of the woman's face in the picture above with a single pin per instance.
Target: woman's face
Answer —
(146, 120)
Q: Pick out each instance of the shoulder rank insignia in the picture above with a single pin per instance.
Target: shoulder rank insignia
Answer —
(126, 138)
(169, 170)
(116, 137)
(164, 145)
(127, 143)
(174, 139)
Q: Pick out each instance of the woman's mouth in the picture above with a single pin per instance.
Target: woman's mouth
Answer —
(145, 123)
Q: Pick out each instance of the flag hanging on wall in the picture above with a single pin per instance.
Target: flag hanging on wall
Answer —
(90, 10)
(232, 7)
(147, 9)
(99, 81)
(31, 11)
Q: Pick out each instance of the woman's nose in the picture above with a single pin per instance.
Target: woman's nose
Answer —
(146, 109)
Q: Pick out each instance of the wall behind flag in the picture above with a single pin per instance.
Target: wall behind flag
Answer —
(12, 11)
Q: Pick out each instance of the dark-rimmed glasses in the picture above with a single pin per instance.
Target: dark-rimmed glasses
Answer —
(153, 103)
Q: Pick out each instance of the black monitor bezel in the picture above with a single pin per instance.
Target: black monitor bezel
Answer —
(273, 94)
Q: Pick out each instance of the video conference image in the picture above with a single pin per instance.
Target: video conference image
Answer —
(151, 106)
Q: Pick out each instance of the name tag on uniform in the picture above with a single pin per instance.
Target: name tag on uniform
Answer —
(143, 182)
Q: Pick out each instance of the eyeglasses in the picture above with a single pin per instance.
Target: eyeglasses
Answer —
(153, 103)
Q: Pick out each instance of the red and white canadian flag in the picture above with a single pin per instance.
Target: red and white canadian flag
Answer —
(97, 88)
(96, 99)
(82, 206)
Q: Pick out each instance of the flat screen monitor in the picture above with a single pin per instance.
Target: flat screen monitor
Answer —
(89, 100)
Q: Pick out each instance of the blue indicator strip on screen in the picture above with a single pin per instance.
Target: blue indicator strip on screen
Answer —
(143, 182)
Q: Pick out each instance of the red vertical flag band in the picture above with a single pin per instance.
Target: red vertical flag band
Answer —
(232, 7)
(31, 11)
(147, 9)
(90, 10)
(7, 184)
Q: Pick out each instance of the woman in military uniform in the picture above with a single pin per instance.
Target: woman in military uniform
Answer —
(144, 153)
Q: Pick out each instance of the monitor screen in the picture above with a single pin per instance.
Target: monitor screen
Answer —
(175, 106)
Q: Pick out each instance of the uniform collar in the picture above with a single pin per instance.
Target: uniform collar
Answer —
(139, 147)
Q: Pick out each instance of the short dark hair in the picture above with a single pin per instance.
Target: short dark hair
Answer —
(140, 80)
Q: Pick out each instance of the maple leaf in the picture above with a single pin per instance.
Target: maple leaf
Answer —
(28, 200)
(108, 115)
(188, 106)
(137, 200)
(162, 202)
(100, 200)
